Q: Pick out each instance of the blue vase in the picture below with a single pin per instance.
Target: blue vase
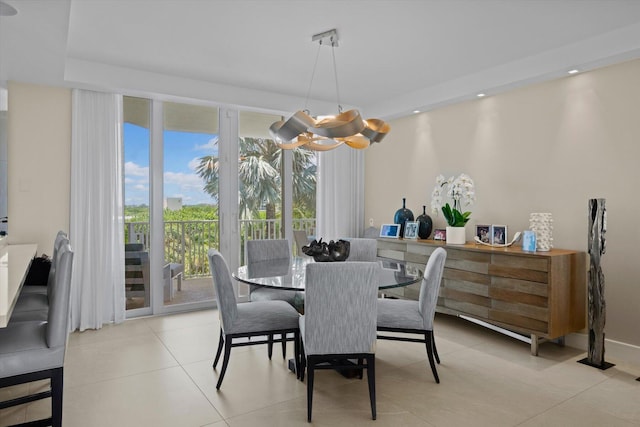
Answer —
(402, 215)
(425, 224)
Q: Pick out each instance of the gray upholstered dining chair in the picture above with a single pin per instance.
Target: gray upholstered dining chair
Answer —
(416, 317)
(261, 252)
(265, 253)
(339, 321)
(34, 350)
(251, 319)
(361, 249)
(33, 302)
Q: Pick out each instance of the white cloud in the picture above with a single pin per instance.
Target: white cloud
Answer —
(194, 163)
(212, 144)
(185, 181)
(133, 169)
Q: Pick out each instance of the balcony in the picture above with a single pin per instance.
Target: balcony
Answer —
(187, 243)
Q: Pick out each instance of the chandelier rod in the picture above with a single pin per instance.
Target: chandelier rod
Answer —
(313, 73)
(335, 74)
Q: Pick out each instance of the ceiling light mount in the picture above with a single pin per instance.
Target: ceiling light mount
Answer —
(7, 10)
(329, 132)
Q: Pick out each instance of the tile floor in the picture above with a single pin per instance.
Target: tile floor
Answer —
(157, 372)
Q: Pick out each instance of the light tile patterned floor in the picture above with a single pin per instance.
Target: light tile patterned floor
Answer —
(157, 372)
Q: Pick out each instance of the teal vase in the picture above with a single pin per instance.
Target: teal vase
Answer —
(402, 216)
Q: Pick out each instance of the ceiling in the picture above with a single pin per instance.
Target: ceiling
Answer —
(393, 57)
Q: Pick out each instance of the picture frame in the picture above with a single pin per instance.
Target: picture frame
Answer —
(440, 234)
(390, 265)
(498, 234)
(391, 231)
(484, 232)
(411, 229)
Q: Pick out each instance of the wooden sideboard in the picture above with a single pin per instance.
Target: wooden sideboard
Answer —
(541, 295)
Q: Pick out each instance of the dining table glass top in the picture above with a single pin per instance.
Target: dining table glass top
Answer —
(290, 273)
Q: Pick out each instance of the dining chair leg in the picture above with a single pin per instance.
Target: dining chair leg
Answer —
(225, 361)
(284, 346)
(296, 351)
(371, 378)
(220, 345)
(270, 346)
(360, 361)
(56, 397)
(435, 350)
(303, 360)
(310, 373)
(429, 342)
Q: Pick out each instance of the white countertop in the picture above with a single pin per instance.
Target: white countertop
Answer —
(14, 263)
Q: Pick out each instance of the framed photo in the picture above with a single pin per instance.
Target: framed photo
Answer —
(483, 232)
(391, 231)
(411, 229)
(498, 234)
(440, 234)
(390, 265)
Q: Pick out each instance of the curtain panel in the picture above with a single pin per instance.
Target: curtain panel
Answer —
(96, 223)
(340, 194)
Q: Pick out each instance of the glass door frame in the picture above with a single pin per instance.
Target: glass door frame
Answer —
(228, 203)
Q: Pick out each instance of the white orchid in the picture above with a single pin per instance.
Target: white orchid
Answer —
(461, 192)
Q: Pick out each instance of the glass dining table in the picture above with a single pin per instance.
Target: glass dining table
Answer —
(290, 274)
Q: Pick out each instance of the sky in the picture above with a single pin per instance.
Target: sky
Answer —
(182, 151)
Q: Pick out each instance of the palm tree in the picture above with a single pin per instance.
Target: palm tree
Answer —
(260, 182)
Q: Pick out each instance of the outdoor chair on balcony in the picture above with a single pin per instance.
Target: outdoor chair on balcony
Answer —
(136, 263)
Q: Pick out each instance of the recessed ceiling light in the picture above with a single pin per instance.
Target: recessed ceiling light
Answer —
(574, 71)
(7, 10)
(481, 95)
(416, 111)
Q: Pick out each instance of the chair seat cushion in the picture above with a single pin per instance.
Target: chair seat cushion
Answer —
(396, 313)
(31, 302)
(266, 294)
(29, 316)
(41, 290)
(23, 349)
(258, 316)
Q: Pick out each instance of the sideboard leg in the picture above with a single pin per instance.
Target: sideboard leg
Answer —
(534, 345)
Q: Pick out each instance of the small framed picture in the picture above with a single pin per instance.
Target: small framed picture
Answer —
(484, 233)
(411, 229)
(499, 234)
(529, 241)
(391, 231)
(440, 234)
(390, 265)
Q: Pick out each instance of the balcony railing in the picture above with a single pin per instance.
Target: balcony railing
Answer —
(187, 242)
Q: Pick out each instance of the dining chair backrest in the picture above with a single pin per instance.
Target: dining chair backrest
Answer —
(362, 249)
(341, 307)
(260, 250)
(58, 315)
(301, 239)
(60, 239)
(430, 287)
(227, 304)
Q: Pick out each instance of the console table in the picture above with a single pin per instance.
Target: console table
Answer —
(14, 263)
(539, 296)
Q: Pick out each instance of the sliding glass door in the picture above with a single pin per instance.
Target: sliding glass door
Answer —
(200, 177)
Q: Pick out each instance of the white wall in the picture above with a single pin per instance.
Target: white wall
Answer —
(545, 148)
(39, 155)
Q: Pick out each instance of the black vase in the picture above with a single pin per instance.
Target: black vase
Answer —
(402, 215)
(425, 224)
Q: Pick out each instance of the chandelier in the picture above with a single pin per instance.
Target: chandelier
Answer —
(328, 132)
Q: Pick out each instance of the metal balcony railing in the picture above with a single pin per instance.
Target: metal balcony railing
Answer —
(187, 242)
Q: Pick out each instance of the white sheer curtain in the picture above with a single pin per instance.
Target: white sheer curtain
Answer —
(96, 223)
(340, 193)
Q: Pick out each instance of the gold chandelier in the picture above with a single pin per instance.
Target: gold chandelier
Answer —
(329, 132)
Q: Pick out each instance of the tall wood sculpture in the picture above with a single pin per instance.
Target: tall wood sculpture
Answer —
(596, 306)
